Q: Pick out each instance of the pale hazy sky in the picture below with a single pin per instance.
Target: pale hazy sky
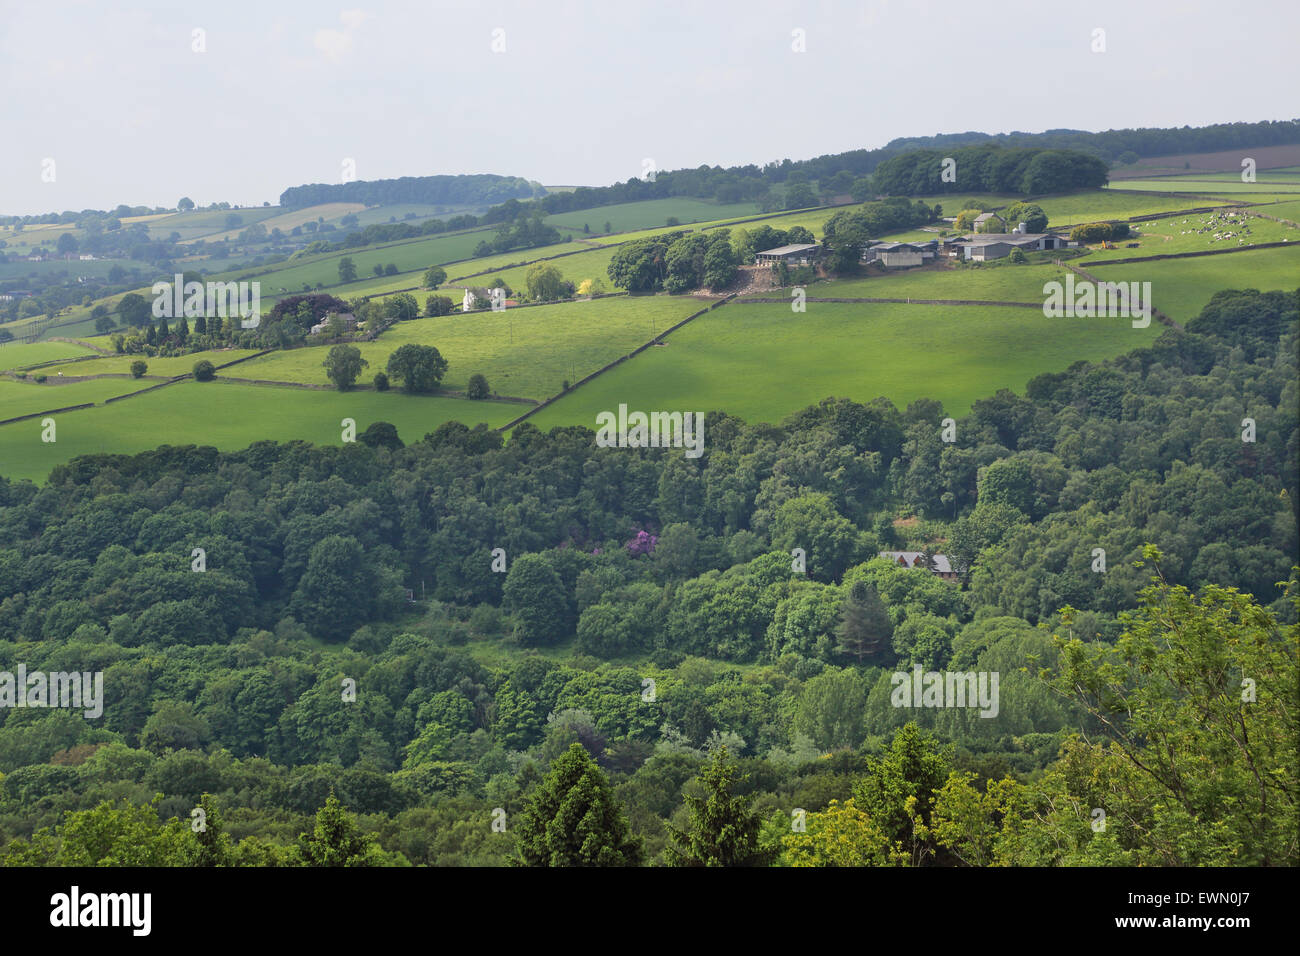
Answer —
(583, 92)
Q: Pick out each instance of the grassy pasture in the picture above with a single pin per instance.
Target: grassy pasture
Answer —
(1001, 283)
(526, 353)
(382, 214)
(812, 219)
(408, 256)
(25, 398)
(165, 367)
(1181, 234)
(287, 221)
(43, 236)
(228, 416)
(504, 260)
(1182, 287)
(1095, 205)
(17, 355)
(1283, 210)
(762, 362)
(1231, 188)
(623, 217)
(585, 265)
(203, 224)
(68, 267)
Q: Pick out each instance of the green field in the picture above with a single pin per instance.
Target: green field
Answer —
(286, 221)
(1283, 210)
(197, 225)
(407, 255)
(585, 265)
(27, 398)
(1181, 234)
(228, 416)
(382, 214)
(1001, 283)
(1181, 287)
(525, 353)
(1095, 205)
(504, 260)
(624, 217)
(763, 362)
(98, 268)
(162, 367)
(811, 219)
(34, 353)
(1231, 187)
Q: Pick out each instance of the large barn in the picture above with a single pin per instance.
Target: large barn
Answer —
(983, 247)
(799, 254)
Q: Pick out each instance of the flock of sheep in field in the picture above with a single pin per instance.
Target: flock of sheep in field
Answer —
(1222, 226)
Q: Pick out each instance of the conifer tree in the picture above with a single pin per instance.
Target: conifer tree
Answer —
(574, 820)
(723, 830)
(334, 839)
(865, 629)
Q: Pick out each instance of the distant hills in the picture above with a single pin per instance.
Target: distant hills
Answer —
(484, 189)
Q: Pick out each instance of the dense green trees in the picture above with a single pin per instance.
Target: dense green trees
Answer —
(989, 168)
(288, 660)
(849, 230)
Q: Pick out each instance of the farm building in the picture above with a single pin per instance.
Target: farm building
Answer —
(477, 294)
(989, 222)
(997, 245)
(799, 254)
(893, 255)
(939, 564)
(349, 322)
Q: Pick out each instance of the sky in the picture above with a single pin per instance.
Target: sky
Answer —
(124, 102)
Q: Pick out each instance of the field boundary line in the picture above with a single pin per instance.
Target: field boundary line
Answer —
(517, 265)
(52, 362)
(52, 411)
(151, 388)
(93, 348)
(1263, 215)
(618, 361)
(247, 358)
(1191, 255)
(1019, 305)
(1160, 316)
